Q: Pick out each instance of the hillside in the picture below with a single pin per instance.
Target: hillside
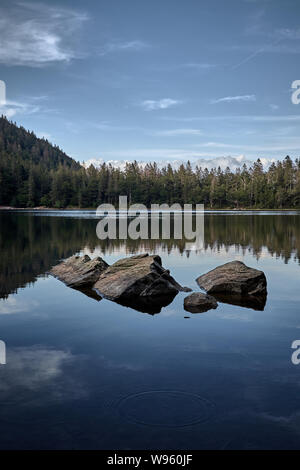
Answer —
(27, 147)
(26, 163)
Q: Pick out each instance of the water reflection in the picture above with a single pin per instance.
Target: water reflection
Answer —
(256, 302)
(30, 246)
(89, 292)
(152, 305)
(93, 375)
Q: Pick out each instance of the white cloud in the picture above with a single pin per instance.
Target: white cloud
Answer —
(274, 107)
(175, 158)
(34, 34)
(151, 105)
(11, 108)
(136, 45)
(230, 99)
(33, 368)
(14, 305)
(44, 135)
(178, 132)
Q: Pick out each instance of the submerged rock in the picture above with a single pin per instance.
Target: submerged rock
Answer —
(137, 279)
(79, 271)
(234, 278)
(198, 302)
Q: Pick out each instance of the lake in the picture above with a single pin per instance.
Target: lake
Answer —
(87, 374)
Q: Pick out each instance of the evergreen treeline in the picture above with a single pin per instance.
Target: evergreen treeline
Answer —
(35, 173)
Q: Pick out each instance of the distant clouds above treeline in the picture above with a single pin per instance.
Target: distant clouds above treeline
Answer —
(223, 162)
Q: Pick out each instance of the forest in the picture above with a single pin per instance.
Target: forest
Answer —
(35, 173)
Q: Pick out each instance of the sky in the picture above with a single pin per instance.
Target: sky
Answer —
(159, 80)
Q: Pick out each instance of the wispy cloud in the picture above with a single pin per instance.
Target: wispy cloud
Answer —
(237, 117)
(34, 368)
(266, 118)
(288, 33)
(44, 135)
(273, 47)
(276, 47)
(275, 40)
(178, 132)
(193, 66)
(13, 305)
(289, 145)
(12, 108)
(135, 45)
(107, 126)
(152, 105)
(230, 99)
(35, 34)
(198, 66)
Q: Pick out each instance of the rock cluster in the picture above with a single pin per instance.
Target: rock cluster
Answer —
(141, 282)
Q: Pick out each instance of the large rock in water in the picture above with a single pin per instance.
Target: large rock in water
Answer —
(198, 302)
(234, 278)
(79, 271)
(137, 278)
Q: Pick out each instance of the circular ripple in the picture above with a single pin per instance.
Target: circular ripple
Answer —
(166, 408)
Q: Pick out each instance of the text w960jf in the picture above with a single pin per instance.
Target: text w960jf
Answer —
(181, 460)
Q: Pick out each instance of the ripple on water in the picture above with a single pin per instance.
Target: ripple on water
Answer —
(165, 408)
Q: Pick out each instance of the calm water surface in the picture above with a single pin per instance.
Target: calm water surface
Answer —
(88, 374)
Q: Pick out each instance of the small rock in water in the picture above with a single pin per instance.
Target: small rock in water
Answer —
(198, 302)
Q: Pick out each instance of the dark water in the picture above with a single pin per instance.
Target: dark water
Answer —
(87, 374)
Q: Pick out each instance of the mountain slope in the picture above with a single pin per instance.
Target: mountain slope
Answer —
(26, 146)
(27, 168)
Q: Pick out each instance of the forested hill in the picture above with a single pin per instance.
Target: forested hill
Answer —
(35, 173)
(26, 165)
(25, 146)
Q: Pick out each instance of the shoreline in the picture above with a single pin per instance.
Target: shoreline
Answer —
(81, 209)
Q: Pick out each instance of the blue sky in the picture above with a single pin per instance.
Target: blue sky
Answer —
(154, 80)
